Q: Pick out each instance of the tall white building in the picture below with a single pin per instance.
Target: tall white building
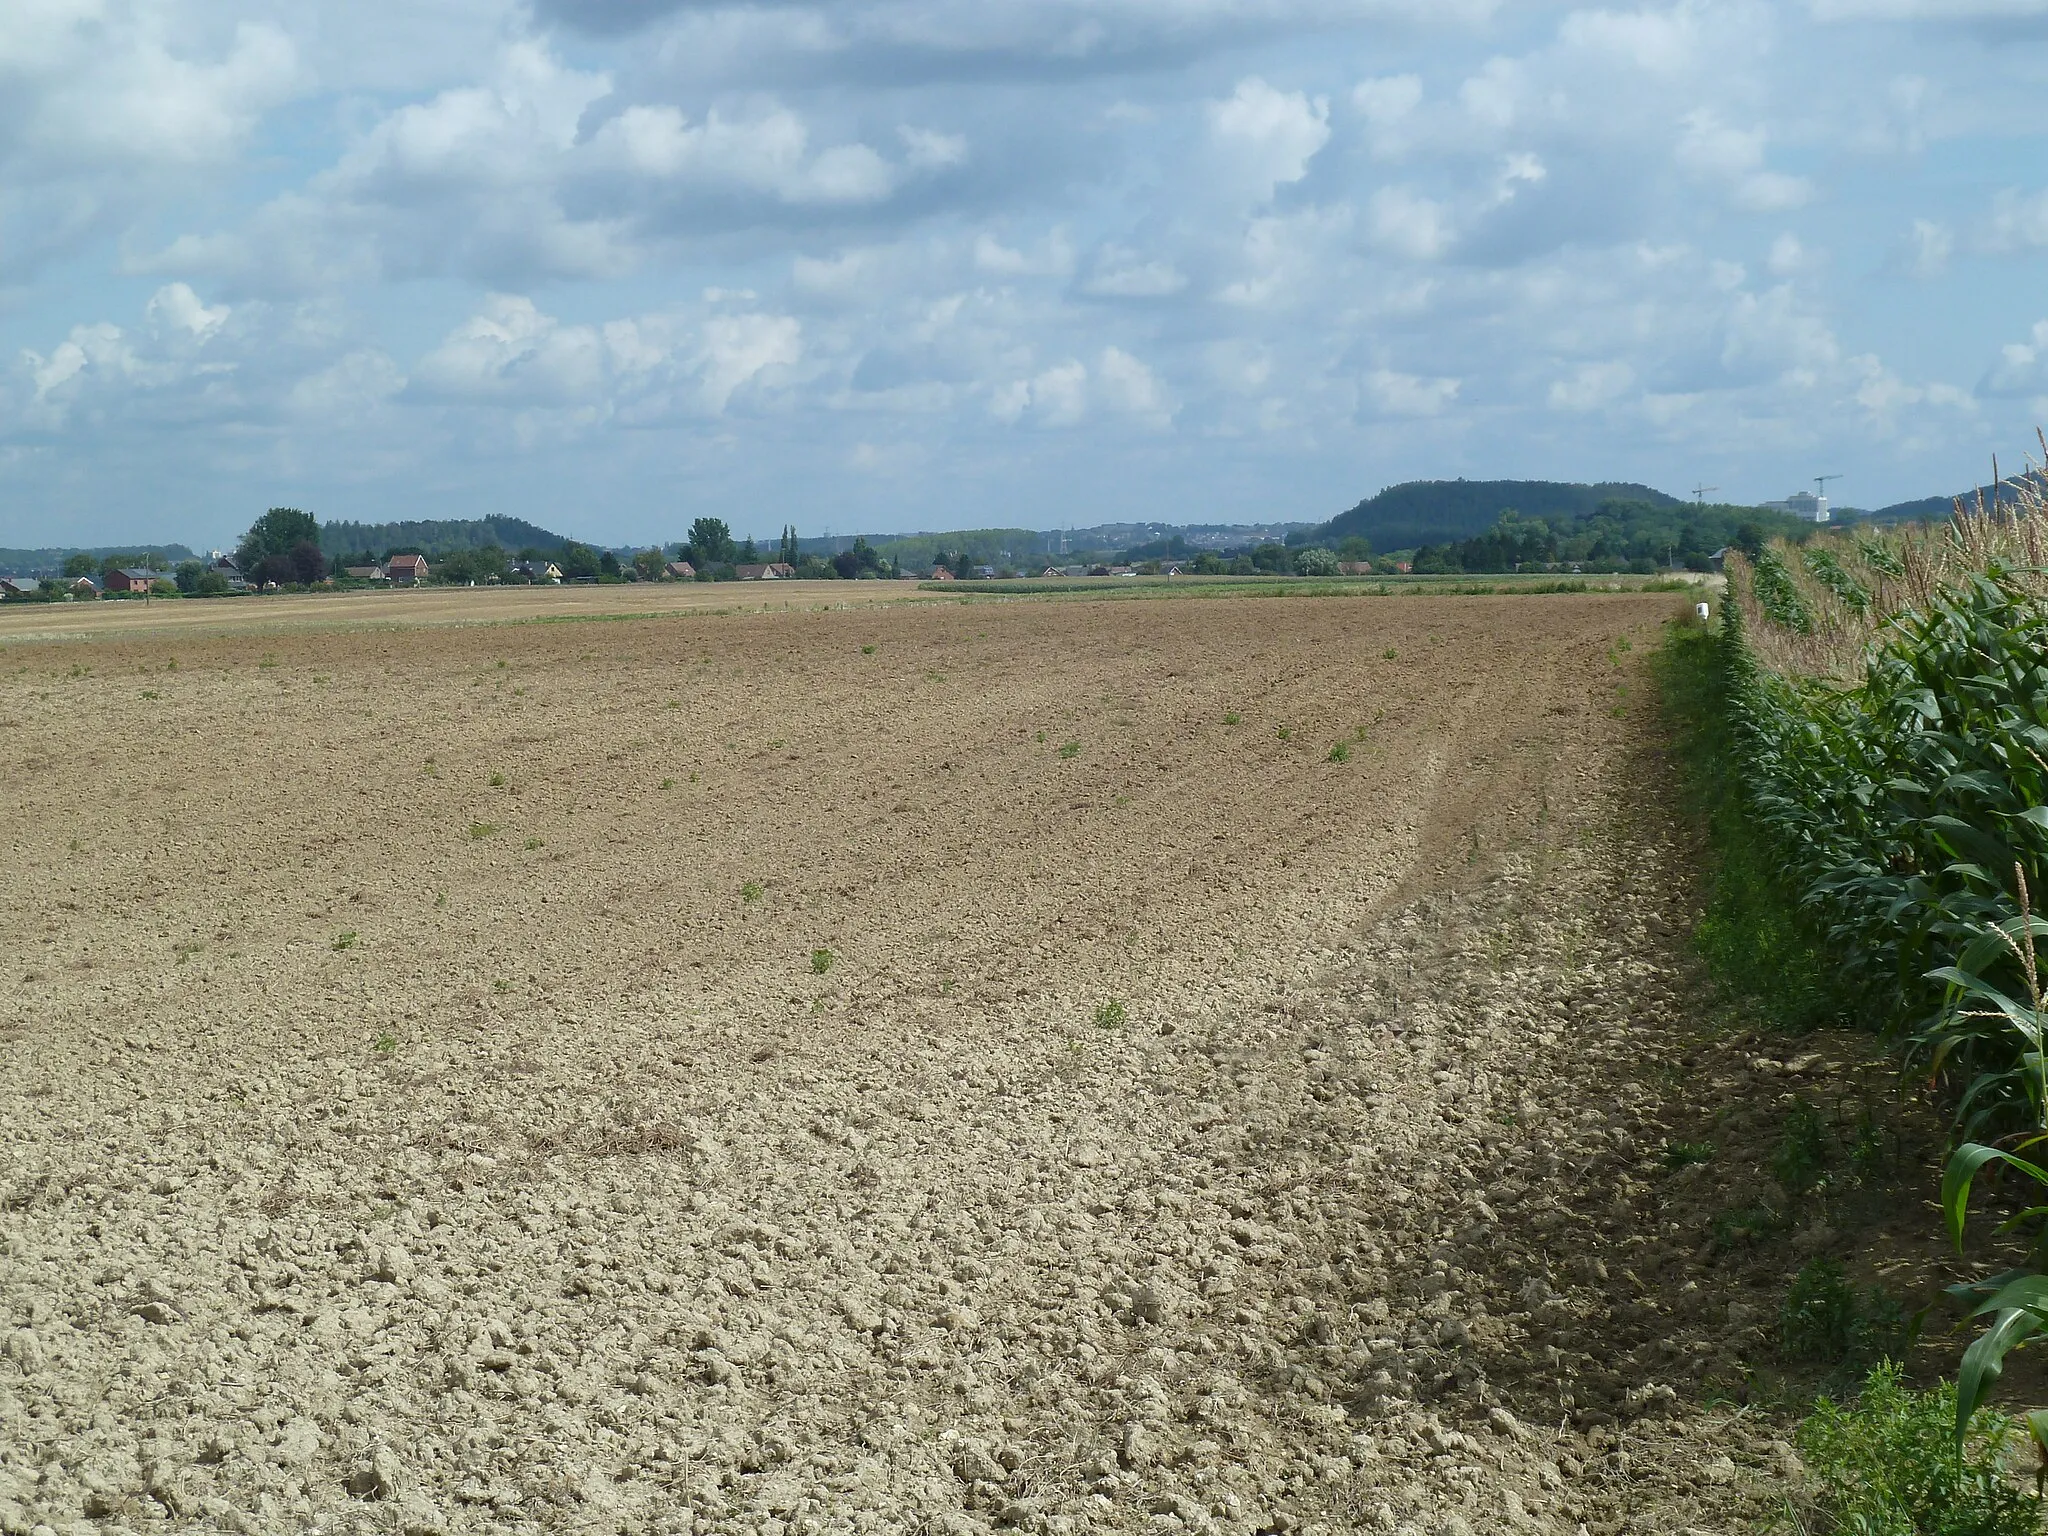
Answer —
(1803, 505)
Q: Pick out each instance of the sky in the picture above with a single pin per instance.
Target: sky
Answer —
(880, 265)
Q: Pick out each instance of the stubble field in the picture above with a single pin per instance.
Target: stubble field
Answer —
(934, 1066)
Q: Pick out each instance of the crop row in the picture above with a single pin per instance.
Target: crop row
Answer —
(1889, 702)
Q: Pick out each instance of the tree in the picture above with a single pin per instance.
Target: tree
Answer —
(749, 554)
(277, 532)
(1209, 563)
(710, 542)
(578, 561)
(308, 564)
(1749, 538)
(787, 552)
(608, 565)
(1354, 549)
(1272, 557)
(187, 576)
(649, 563)
(1315, 562)
(861, 560)
(80, 565)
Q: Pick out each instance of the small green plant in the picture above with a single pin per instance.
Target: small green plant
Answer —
(1232, 717)
(1742, 1226)
(821, 961)
(1284, 733)
(1826, 1321)
(1111, 1015)
(1341, 753)
(346, 941)
(497, 781)
(867, 650)
(1389, 653)
(440, 898)
(668, 783)
(1359, 734)
(149, 693)
(479, 830)
(1684, 1154)
(1071, 749)
(386, 1043)
(501, 985)
(751, 891)
(1889, 1465)
(1800, 1162)
(535, 842)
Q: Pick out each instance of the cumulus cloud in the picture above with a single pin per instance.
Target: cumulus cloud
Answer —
(785, 240)
(1266, 137)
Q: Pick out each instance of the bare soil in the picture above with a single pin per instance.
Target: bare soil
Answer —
(932, 1067)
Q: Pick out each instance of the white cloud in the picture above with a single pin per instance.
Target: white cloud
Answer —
(1715, 151)
(1406, 224)
(1409, 394)
(1121, 273)
(1130, 387)
(1591, 386)
(1268, 136)
(1928, 248)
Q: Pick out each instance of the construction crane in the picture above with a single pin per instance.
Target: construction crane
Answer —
(1820, 483)
(1700, 492)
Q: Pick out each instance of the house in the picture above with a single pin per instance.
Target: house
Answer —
(406, 570)
(366, 572)
(1354, 567)
(84, 586)
(1052, 570)
(1121, 570)
(680, 570)
(19, 588)
(985, 572)
(541, 570)
(1170, 568)
(940, 573)
(775, 572)
(783, 571)
(228, 569)
(132, 579)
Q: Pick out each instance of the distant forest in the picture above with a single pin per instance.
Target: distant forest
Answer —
(434, 538)
(1615, 535)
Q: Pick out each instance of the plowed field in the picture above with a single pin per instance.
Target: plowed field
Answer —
(1110, 1066)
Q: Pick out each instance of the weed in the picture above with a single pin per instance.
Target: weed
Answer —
(497, 781)
(821, 961)
(1684, 1154)
(533, 843)
(1800, 1162)
(777, 745)
(1285, 734)
(751, 891)
(501, 985)
(1741, 1227)
(387, 1043)
(1341, 753)
(1232, 717)
(668, 783)
(1039, 737)
(478, 830)
(346, 941)
(867, 650)
(1359, 734)
(149, 693)
(1824, 1320)
(1071, 750)
(1390, 653)
(440, 898)
(1111, 1015)
(1869, 1157)
(1890, 1466)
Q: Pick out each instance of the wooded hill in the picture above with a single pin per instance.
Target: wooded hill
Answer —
(1441, 511)
(431, 538)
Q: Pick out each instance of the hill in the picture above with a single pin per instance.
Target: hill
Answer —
(1929, 509)
(1436, 511)
(436, 537)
